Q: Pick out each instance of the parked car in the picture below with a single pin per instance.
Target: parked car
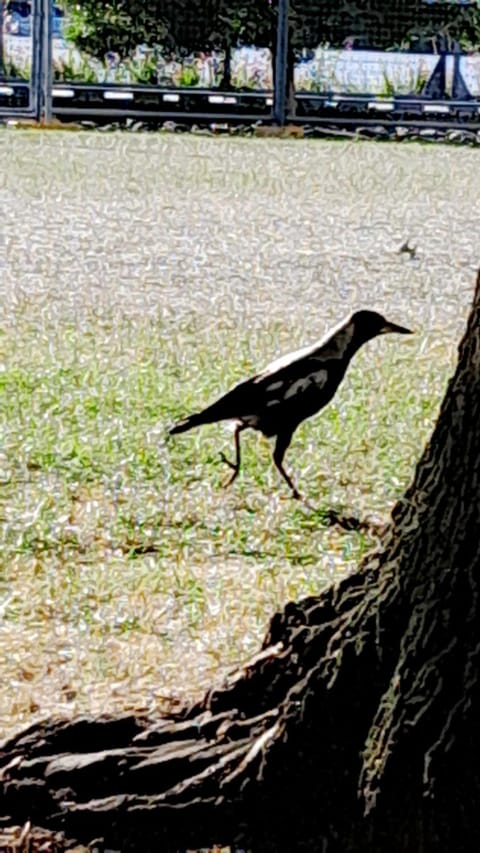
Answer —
(17, 19)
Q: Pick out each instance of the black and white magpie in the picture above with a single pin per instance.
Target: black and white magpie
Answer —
(291, 389)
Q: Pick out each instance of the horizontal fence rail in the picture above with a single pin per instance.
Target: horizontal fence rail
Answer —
(150, 102)
(302, 61)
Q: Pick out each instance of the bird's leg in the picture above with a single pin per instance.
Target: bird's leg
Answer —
(235, 466)
(283, 442)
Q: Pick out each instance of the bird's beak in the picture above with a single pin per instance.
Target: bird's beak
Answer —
(392, 327)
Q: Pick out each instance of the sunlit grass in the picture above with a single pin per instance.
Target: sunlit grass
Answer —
(138, 287)
(127, 573)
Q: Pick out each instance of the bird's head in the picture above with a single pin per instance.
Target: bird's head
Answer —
(369, 324)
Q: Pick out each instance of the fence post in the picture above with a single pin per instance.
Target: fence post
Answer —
(46, 74)
(280, 80)
(36, 66)
(1, 36)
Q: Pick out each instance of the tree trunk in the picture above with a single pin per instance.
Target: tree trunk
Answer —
(355, 728)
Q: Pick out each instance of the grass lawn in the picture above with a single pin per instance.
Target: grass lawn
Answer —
(141, 276)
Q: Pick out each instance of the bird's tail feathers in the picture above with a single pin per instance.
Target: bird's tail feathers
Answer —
(221, 410)
(186, 424)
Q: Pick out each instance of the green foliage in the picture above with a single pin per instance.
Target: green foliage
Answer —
(189, 76)
(122, 25)
(402, 24)
(67, 70)
(97, 27)
(144, 70)
(12, 71)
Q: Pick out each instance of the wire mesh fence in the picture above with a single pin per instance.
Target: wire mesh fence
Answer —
(219, 57)
(375, 49)
(189, 45)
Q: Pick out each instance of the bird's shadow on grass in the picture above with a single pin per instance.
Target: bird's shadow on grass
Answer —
(330, 517)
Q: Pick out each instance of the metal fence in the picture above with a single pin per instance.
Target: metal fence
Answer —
(20, 83)
(315, 61)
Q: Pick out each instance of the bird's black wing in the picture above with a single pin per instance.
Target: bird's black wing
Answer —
(296, 391)
(289, 390)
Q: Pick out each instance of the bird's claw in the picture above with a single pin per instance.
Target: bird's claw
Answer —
(235, 469)
(231, 479)
(227, 462)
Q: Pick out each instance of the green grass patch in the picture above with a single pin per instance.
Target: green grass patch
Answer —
(88, 474)
(138, 285)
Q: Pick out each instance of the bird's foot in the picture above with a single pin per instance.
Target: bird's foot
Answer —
(227, 462)
(235, 469)
(231, 479)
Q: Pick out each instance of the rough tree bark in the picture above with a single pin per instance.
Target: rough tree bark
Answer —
(355, 728)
